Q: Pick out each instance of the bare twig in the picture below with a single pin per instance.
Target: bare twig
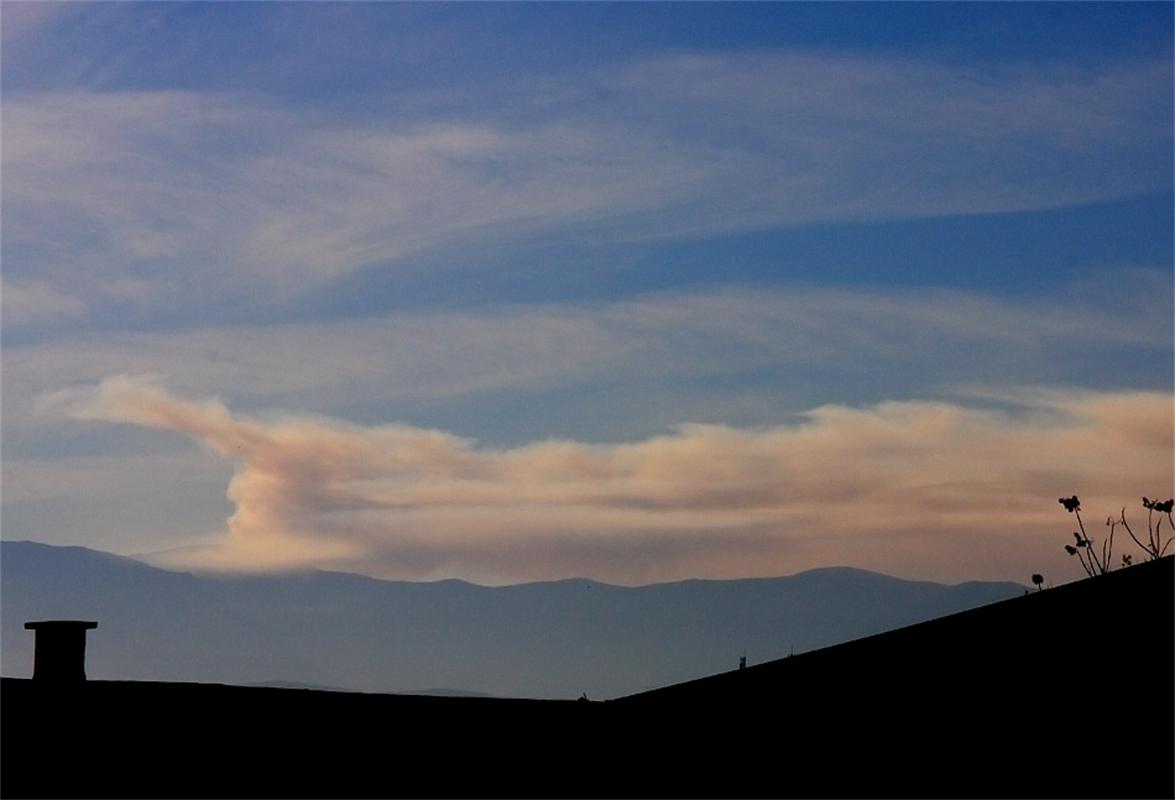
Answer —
(1126, 525)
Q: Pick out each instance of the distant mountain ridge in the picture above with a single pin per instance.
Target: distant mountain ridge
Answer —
(552, 639)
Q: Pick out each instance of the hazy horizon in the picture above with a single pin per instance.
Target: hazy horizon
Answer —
(531, 640)
(635, 293)
(154, 561)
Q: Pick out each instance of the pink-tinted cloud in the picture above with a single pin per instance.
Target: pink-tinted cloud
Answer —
(936, 490)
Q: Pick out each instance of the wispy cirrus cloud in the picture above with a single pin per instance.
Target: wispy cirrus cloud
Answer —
(26, 303)
(781, 350)
(610, 372)
(24, 20)
(202, 195)
(912, 488)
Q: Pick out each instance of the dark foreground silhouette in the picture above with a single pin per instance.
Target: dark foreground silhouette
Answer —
(1061, 693)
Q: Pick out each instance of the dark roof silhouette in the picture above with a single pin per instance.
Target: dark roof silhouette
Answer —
(977, 704)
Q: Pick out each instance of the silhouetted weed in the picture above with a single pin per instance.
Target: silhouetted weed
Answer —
(1098, 563)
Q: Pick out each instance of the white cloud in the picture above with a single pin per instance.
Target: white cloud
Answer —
(25, 303)
(203, 197)
(908, 343)
(623, 371)
(913, 488)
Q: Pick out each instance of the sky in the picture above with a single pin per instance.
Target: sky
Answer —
(634, 292)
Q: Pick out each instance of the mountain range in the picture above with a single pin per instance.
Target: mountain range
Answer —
(555, 639)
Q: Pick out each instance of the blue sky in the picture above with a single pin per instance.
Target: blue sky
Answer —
(516, 225)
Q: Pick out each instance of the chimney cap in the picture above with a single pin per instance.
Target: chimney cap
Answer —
(61, 624)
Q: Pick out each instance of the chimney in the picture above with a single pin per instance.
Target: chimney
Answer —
(60, 649)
